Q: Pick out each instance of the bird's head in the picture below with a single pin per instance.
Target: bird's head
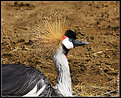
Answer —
(69, 41)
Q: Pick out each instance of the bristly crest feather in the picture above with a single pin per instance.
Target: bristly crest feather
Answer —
(49, 31)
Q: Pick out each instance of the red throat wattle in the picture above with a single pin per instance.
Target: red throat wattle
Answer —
(66, 57)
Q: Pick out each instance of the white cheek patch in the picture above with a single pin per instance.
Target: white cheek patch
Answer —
(67, 43)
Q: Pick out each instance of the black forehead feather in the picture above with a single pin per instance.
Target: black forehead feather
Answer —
(70, 34)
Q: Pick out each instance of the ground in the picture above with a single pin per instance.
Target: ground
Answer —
(94, 68)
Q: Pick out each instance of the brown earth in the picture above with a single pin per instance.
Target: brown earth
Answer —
(94, 67)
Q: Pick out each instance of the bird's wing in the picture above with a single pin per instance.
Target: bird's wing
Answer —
(19, 80)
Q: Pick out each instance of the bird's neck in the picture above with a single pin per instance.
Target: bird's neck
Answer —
(63, 72)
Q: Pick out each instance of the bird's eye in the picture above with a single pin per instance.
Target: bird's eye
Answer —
(71, 40)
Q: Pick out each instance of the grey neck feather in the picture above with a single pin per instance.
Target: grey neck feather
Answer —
(63, 85)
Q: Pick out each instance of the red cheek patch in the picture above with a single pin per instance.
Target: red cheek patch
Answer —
(64, 37)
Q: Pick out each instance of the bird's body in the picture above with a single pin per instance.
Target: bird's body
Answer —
(20, 80)
(29, 81)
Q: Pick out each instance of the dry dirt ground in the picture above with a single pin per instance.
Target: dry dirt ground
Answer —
(94, 67)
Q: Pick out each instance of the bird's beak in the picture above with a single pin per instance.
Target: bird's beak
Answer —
(79, 43)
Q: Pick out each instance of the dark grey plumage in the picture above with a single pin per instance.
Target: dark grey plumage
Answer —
(18, 80)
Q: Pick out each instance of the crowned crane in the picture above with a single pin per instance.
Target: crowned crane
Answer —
(20, 80)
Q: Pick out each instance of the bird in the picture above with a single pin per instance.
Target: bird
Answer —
(21, 80)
